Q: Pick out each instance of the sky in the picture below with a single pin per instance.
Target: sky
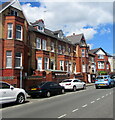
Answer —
(93, 18)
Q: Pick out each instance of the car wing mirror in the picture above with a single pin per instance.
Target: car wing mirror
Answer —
(11, 87)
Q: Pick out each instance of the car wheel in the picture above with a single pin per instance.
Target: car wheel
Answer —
(62, 91)
(20, 98)
(74, 88)
(48, 94)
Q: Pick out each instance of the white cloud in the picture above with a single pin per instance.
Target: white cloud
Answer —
(88, 33)
(71, 16)
(103, 31)
(90, 46)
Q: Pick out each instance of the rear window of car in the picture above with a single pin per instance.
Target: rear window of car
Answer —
(67, 81)
(38, 85)
(99, 77)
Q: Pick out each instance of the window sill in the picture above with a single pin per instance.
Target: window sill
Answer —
(18, 39)
(8, 67)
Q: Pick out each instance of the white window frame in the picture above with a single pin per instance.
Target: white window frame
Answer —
(100, 56)
(83, 68)
(10, 29)
(8, 57)
(107, 66)
(62, 65)
(19, 31)
(38, 43)
(46, 61)
(69, 50)
(67, 65)
(63, 49)
(18, 58)
(40, 28)
(75, 68)
(43, 44)
(70, 66)
(60, 49)
(83, 52)
(52, 46)
(14, 13)
(101, 65)
(39, 63)
(52, 60)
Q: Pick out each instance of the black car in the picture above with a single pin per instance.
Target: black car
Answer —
(45, 89)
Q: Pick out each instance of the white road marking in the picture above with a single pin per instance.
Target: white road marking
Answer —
(84, 105)
(98, 98)
(62, 116)
(106, 94)
(110, 93)
(92, 101)
(102, 96)
(75, 110)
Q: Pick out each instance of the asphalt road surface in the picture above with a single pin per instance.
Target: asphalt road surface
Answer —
(89, 103)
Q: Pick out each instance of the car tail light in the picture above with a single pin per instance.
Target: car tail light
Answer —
(96, 80)
(106, 80)
(38, 88)
(68, 84)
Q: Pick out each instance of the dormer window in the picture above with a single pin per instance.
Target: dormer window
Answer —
(40, 28)
(14, 13)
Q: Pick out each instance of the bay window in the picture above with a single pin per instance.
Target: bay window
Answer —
(10, 31)
(83, 52)
(83, 68)
(100, 65)
(18, 60)
(8, 59)
(39, 63)
(67, 66)
(62, 65)
(46, 63)
(19, 32)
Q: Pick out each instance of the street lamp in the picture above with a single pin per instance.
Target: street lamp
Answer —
(21, 75)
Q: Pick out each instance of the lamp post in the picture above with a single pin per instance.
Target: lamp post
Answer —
(21, 75)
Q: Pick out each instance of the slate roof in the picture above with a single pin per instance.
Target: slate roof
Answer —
(5, 4)
(75, 39)
(49, 33)
(94, 50)
(36, 22)
(90, 53)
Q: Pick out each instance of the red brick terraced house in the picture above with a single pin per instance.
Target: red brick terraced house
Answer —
(13, 43)
(82, 56)
(101, 59)
(31, 53)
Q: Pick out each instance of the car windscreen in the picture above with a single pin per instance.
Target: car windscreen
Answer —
(67, 81)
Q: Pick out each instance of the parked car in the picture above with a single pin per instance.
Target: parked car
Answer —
(46, 88)
(104, 81)
(10, 94)
(73, 84)
(113, 78)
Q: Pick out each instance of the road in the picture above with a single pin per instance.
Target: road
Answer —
(89, 103)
